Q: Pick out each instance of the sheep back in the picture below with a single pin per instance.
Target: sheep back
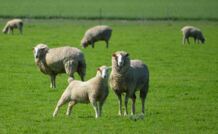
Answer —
(56, 58)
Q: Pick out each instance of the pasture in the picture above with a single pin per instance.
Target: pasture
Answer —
(113, 9)
(182, 96)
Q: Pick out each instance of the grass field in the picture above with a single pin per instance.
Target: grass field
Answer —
(183, 85)
(116, 9)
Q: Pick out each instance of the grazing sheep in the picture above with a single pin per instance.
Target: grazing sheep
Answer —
(12, 24)
(128, 76)
(92, 91)
(190, 31)
(59, 60)
(96, 33)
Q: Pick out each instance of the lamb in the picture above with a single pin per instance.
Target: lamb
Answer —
(12, 24)
(59, 60)
(95, 34)
(190, 31)
(127, 76)
(94, 91)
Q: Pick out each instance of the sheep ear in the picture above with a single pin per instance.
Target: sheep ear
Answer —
(127, 55)
(114, 55)
(98, 69)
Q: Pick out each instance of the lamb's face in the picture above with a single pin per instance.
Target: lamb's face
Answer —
(40, 51)
(121, 58)
(103, 72)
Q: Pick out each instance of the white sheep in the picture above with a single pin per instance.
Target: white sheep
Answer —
(190, 31)
(96, 33)
(12, 24)
(59, 60)
(127, 76)
(94, 91)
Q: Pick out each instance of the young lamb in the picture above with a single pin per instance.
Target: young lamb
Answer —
(59, 60)
(12, 24)
(95, 34)
(190, 31)
(128, 76)
(94, 91)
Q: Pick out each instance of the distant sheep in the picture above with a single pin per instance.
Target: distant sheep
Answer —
(128, 76)
(92, 91)
(96, 33)
(59, 60)
(13, 24)
(190, 31)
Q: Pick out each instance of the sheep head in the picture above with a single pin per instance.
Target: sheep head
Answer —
(40, 50)
(103, 72)
(5, 30)
(121, 58)
(84, 42)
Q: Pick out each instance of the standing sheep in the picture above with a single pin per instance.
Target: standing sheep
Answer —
(59, 60)
(12, 24)
(92, 91)
(128, 76)
(95, 34)
(190, 31)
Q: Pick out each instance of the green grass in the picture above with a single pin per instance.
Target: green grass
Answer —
(111, 9)
(183, 84)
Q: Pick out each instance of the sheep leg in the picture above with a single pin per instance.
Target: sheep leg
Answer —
(21, 30)
(195, 40)
(107, 44)
(82, 70)
(69, 66)
(61, 102)
(188, 40)
(101, 103)
(53, 84)
(143, 94)
(120, 102)
(12, 30)
(95, 106)
(133, 104)
(126, 105)
(184, 39)
(93, 45)
(70, 106)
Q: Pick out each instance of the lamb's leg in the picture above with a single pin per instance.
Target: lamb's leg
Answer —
(70, 106)
(126, 105)
(53, 84)
(120, 102)
(61, 102)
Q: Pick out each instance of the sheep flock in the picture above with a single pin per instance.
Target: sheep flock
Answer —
(125, 76)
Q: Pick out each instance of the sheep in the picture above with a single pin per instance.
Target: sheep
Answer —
(190, 31)
(95, 34)
(94, 91)
(12, 24)
(59, 60)
(127, 76)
